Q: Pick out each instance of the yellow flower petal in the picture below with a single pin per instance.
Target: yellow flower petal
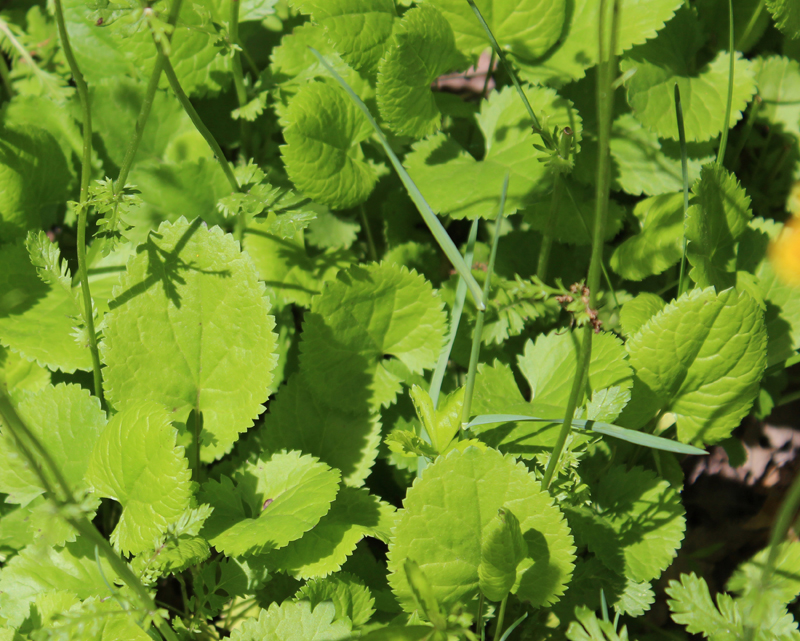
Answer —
(784, 253)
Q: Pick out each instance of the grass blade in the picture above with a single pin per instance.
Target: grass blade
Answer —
(607, 429)
(455, 319)
(723, 139)
(475, 353)
(685, 172)
(433, 223)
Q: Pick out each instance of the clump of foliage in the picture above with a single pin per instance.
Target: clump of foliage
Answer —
(295, 347)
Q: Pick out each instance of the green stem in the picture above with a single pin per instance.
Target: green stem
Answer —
(605, 109)
(685, 175)
(479, 618)
(455, 319)
(180, 94)
(86, 170)
(547, 137)
(723, 141)
(5, 76)
(498, 631)
(373, 252)
(751, 23)
(475, 353)
(434, 224)
(17, 428)
(238, 75)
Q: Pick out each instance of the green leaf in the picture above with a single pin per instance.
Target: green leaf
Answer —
(189, 327)
(457, 184)
(446, 518)
(351, 598)
(136, 463)
(635, 313)
(548, 366)
(783, 582)
(443, 422)
(503, 548)
(68, 421)
(39, 570)
(778, 80)
(116, 102)
(399, 633)
(360, 30)
(126, 48)
(589, 628)
(658, 245)
(289, 272)
(646, 165)
(635, 525)
(703, 356)
(670, 59)
(224, 580)
(639, 20)
(270, 502)
(34, 176)
(713, 225)
(370, 313)
(170, 190)
(575, 220)
(294, 621)
(424, 49)
(345, 437)
(33, 304)
(322, 153)
(424, 598)
(786, 15)
(691, 605)
(527, 29)
(19, 374)
(354, 514)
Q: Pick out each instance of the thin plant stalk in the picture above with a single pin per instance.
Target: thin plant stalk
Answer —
(605, 108)
(588, 234)
(475, 353)
(68, 507)
(180, 94)
(83, 210)
(479, 618)
(723, 140)
(455, 319)
(141, 120)
(685, 176)
(238, 74)
(437, 229)
(373, 252)
(537, 127)
(501, 615)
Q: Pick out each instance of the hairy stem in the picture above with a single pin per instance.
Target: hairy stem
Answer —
(605, 112)
(475, 353)
(180, 94)
(83, 212)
